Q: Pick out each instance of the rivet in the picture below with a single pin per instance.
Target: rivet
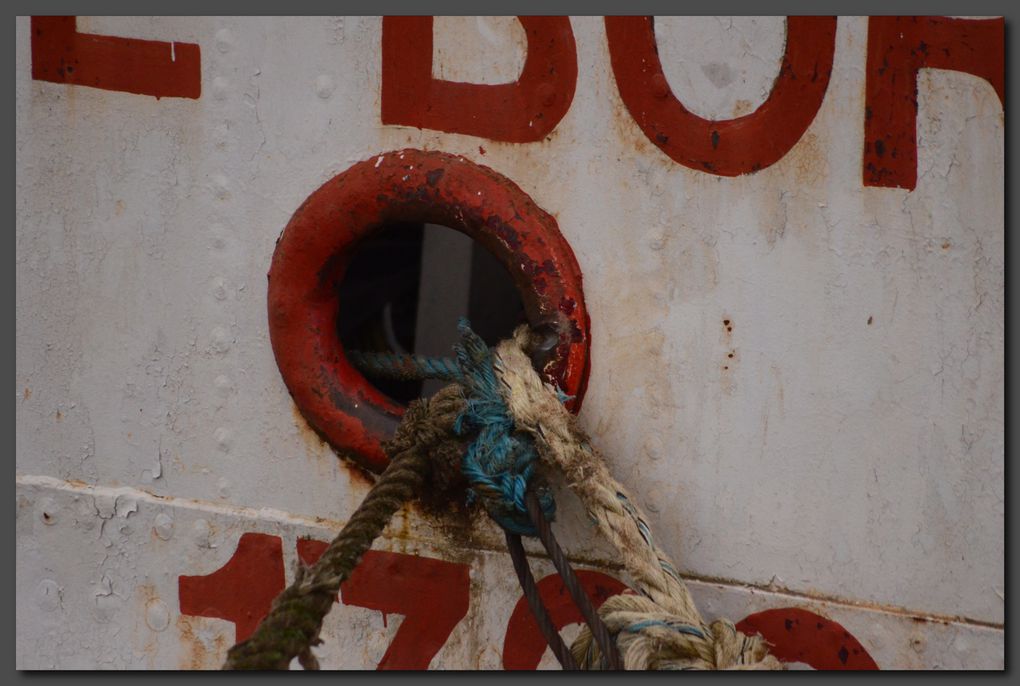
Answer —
(220, 339)
(47, 595)
(324, 86)
(224, 40)
(653, 499)
(219, 88)
(220, 186)
(224, 438)
(224, 386)
(164, 526)
(653, 447)
(219, 288)
(157, 615)
(200, 533)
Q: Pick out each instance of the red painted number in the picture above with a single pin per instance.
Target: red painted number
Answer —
(240, 591)
(797, 635)
(431, 594)
(524, 645)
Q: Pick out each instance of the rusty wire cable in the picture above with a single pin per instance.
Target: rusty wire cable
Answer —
(538, 611)
(598, 628)
(499, 464)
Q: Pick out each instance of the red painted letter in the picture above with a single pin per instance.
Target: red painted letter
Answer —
(524, 645)
(521, 112)
(897, 48)
(733, 146)
(62, 55)
(431, 594)
(240, 591)
(797, 635)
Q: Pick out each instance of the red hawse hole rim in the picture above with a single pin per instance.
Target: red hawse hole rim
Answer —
(315, 248)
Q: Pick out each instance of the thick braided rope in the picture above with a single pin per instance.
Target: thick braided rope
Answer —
(650, 639)
(500, 461)
(293, 624)
(537, 409)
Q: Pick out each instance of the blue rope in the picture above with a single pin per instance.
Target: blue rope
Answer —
(404, 367)
(675, 626)
(500, 462)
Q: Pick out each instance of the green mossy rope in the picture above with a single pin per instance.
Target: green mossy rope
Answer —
(292, 626)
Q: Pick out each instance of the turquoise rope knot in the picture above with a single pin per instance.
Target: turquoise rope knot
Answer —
(500, 462)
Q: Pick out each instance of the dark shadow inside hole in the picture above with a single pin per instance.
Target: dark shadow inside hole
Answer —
(406, 286)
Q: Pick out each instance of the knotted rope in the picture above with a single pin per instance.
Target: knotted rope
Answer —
(500, 463)
(514, 417)
(663, 629)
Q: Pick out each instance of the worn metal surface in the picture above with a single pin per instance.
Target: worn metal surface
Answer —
(800, 368)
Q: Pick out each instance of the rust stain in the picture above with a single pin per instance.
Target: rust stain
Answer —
(118, 208)
(810, 163)
(312, 440)
(199, 655)
(324, 456)
(147, 593)
(27, 394)
(59, 415)
(727, 380)
(742, 107)
(196, 654)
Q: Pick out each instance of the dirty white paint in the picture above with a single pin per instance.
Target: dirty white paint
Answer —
(848, 457)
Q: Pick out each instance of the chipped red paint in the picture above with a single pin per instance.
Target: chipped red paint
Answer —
(62, 55)
(408, 186)
(431, 594)
(524, 645)
(733, 146)
(242, 590)
(521, 112)
(897, 48)
(797, 635)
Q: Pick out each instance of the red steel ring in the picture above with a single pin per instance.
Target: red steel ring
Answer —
(314, 250)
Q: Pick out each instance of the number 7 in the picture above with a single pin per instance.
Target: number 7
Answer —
(431, 594)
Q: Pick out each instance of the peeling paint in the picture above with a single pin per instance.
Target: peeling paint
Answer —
(798, 367)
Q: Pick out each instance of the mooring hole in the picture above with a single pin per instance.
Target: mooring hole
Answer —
(406, 287)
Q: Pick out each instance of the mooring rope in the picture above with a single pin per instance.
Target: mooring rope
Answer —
(294, 621)
(513, 418)
(404, 367)
(663, 630)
